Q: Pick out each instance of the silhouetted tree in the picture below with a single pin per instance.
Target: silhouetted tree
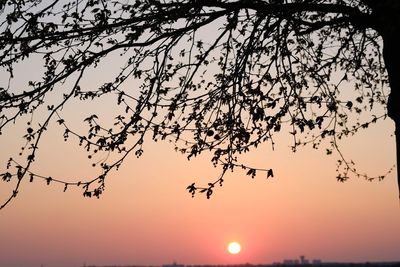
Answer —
(214, 75)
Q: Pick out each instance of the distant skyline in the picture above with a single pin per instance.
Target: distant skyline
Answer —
(296, 262)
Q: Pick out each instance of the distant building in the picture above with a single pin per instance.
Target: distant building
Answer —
(291, 262)
(316, 262)
(174, 264)
(302, 261)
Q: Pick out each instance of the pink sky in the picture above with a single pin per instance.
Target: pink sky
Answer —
(145, 215)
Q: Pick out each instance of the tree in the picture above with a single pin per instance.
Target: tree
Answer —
(215, 75)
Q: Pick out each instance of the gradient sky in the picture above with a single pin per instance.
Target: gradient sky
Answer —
(146, 216)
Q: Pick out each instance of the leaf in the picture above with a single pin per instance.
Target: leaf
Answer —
(349, 104)
(7, 177)
(87, 194)
(251, 172)
(20, 173)
(210, 133)
(209, 193)
(191, 188)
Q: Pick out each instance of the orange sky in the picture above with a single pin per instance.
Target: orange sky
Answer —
(145, 215)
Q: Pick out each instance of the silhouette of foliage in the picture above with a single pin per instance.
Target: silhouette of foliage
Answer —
(214, 75)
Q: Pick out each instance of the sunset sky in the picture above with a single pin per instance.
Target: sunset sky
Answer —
(147, 217)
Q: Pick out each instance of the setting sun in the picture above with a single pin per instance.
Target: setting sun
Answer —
(234, 247)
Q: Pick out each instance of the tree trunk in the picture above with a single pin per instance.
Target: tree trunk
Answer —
(391, 54)
(387, 22)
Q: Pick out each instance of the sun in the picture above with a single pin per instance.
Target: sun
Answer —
(234, 247)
